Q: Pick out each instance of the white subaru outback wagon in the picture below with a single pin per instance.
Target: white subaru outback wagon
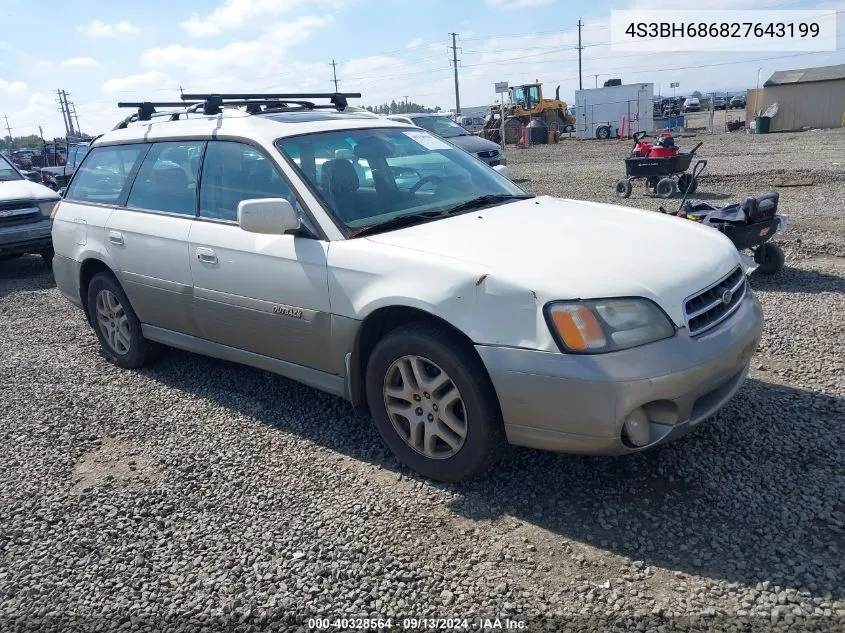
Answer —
(380, 263)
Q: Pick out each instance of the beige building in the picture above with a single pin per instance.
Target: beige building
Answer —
(806, 98)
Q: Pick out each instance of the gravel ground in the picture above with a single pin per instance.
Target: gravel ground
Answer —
(200, 495)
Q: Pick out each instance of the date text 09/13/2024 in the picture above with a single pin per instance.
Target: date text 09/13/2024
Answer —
(417, 624)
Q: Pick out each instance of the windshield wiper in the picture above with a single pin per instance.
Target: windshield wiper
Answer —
(418, 218)
(485, 201)
(396, 223)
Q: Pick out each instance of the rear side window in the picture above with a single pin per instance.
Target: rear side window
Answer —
(167, 179)
(103, 176)
(232, 172)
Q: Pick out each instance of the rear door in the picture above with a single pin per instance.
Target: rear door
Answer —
(267, 294)
(148, 238)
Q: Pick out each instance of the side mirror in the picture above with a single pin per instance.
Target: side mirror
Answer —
(270, 216)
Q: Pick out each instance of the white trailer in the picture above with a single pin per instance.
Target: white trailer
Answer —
(602, 112)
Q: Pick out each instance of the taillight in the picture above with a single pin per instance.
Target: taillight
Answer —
(53, 212)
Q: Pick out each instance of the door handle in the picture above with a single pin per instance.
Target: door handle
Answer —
(206, 255)
(116, 238)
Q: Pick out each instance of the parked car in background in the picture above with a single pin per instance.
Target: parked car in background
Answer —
(463, 311)
(692, 104)
(22, 158)
(471, 123)
(720, 103)
(486, 151)
(57, 177)
(737, 102)
(25, 209)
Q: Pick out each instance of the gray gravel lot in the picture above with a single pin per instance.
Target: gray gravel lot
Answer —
(196, 489)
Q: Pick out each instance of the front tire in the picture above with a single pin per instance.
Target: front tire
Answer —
(116, 324)
(433, 403)
(603, 132)
(665, 188)
(624, 188)
(769, 257)
(47, 255)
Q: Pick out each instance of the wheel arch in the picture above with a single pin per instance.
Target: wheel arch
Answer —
(376, 326)
(90, 267)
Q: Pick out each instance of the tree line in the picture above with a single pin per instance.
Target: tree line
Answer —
(401, 107)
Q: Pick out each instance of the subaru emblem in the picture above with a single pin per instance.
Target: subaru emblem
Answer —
(727, 295)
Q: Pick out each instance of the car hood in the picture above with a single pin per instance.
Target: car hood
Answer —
(570, 249)
(25, 190)
(473, 144)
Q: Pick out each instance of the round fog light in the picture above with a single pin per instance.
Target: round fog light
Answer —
(637, 428)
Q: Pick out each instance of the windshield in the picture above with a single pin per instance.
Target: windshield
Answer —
(371, 176)
(7, 171)
(440, 125)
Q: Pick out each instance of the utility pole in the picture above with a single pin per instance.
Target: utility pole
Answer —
(9, 130)
(71, 110)
(455, 63)
(66, 114)
(334, 74)
(580, 48)
(597, 81)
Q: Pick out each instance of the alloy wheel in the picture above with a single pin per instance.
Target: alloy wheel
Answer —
(113, 322)
(425, 407)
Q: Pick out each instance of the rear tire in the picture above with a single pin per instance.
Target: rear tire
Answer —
(116, 325)
(411, 371)
(624, 188)
(769, 257)
(603, 132)
(47, 255)
(685, 183)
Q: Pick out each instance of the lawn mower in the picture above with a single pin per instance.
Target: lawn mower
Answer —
(660, 164)
(750, 226)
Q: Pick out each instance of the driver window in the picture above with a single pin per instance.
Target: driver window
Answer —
(233, 172)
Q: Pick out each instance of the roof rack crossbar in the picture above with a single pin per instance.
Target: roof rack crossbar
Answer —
(272, 95)
(214, 102)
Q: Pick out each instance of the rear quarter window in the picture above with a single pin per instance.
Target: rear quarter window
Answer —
(103, 175)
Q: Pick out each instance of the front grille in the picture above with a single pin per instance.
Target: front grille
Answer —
(14, 213)
(709, 307)
(489, 153)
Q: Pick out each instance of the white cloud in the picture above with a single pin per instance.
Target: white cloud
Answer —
(518, 4)
(80, 61)
(416, 42)
(265, 53)
(239, 14)
(139, 82)
(12, 87)
(98, 28)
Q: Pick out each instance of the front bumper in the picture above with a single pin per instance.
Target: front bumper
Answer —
(31, 237)
(579, 403)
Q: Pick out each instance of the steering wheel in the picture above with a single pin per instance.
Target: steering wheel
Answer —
(107, 181)
(424, 180)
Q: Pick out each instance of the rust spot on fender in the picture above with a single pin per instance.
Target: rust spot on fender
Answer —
(481, 279)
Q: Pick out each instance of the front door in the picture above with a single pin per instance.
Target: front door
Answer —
(267, 294)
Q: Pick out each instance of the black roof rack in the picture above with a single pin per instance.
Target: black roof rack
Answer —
(211, 104)
(146, 110)
(254, 102)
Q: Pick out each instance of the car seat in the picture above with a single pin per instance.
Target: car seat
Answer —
(339, 180)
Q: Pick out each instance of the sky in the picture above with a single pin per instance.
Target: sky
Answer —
(103, 52)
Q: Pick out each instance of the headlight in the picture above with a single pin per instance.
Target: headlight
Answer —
(46, 207)
(607, 325)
